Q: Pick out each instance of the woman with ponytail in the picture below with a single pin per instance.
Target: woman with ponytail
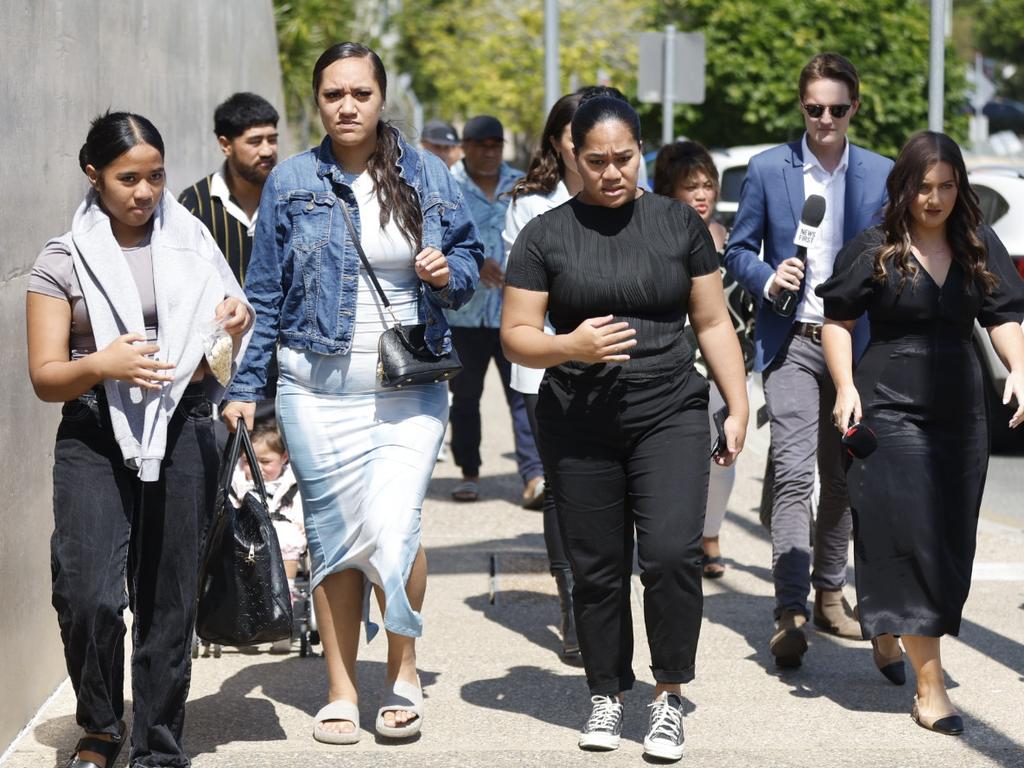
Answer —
(362, 454)
(117, 310)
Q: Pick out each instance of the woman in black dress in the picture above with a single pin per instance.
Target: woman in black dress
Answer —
(923, 276)
(622, 414)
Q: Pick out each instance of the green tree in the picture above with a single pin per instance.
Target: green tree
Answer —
(304, 29)
(756, 49)
(488, 57)
(999, 34)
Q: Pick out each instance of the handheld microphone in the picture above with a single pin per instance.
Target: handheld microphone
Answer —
(860, 441)
(810, 219)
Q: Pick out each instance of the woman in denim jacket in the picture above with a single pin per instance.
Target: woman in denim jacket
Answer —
(362, 455)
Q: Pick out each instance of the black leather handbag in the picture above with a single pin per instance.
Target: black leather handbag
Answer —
(403, 357)
(244, 598)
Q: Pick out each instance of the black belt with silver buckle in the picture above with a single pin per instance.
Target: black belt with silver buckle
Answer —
(811, 330)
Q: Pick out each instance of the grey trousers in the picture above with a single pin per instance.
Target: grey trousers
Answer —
(800, 396)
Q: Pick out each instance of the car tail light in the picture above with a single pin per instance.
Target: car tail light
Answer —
(1019, 261)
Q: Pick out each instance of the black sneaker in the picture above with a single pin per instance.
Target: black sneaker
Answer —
(604, 727)
(664, 738)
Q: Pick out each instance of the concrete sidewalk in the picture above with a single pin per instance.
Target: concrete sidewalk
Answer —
(498, 695)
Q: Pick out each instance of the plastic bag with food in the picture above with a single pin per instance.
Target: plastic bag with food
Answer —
(219, 352)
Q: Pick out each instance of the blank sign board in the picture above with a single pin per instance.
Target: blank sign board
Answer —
(688, 69)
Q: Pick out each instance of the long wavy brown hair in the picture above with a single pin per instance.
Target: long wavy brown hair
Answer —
(921, 152)
(396, 197)
(546, 168)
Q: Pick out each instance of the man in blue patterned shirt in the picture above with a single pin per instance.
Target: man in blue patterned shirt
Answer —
(486, 182)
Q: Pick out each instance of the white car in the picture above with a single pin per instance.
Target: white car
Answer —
(732, 170)
(1001, 197)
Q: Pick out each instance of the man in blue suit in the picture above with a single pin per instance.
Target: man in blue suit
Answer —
(798, 388)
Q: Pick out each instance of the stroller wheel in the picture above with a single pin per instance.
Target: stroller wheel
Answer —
(195, 647)
(216, 651)
(303, 645)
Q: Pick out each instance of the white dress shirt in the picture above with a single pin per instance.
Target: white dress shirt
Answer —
(219, 188)
(821, 255)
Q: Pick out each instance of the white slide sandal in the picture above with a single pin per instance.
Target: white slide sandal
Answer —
(403, 696)
(337, 710)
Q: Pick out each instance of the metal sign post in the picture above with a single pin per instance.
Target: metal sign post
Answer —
(937, 66)
(668, 87)
(671, 71)
(551, 63)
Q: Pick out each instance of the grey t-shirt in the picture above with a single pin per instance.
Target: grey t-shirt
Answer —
(53, 274)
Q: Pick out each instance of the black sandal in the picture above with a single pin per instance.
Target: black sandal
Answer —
(109, 750)
(716, 560)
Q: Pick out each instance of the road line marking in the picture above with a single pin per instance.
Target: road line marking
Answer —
(998, 572)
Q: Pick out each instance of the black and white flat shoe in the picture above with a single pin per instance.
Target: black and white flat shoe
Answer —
(948, 725)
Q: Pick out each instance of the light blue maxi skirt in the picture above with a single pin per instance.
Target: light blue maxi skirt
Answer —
(363, 457)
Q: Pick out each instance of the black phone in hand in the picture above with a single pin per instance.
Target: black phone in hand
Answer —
(721, 442)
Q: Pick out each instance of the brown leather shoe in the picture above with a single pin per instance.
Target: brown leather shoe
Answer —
(833, 614)
(789, 644)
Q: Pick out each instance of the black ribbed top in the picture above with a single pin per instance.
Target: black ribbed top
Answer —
(634, 262)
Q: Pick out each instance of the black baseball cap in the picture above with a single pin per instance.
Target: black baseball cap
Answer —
(483, 127)
(439, 132)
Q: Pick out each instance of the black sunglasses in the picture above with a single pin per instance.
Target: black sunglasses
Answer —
(817, 110)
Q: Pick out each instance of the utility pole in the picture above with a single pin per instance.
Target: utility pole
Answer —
(669, 87)
(937, 66)
(552, 89)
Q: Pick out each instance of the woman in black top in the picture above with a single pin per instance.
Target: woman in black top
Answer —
(622, 413)
(924, 276)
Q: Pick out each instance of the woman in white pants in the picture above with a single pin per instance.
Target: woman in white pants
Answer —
(684, 170)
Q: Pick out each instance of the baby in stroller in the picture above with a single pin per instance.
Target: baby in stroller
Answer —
(283, 500)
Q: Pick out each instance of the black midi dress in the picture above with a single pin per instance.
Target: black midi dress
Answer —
(915, 500)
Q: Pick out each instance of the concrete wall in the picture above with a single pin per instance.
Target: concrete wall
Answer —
(61, 63)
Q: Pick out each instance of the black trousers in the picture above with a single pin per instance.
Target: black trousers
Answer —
(625, 457)
(557, 559)
(119, 542)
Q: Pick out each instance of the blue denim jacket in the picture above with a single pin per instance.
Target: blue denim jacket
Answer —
(302, 278)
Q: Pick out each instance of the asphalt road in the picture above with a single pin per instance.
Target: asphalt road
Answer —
(1004, 490)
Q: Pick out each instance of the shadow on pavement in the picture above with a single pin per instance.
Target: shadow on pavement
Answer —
(555, 699)
(503, 487)
(474, 556)
(63, 733)
(997, 647)
(532, 614)
(559, 699)
(238, 712)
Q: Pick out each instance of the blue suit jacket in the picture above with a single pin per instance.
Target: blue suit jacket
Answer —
(769, 211)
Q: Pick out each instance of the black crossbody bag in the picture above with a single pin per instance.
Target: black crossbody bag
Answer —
(403, 357)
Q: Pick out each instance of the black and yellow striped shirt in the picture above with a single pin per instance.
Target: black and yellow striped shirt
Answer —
(231, 235)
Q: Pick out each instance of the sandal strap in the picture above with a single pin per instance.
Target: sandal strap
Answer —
(716, 560)
(339, 710)
(403, 696)
(108, 749)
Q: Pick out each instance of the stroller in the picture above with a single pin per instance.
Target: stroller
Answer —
(303, 616)
(304, 628)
